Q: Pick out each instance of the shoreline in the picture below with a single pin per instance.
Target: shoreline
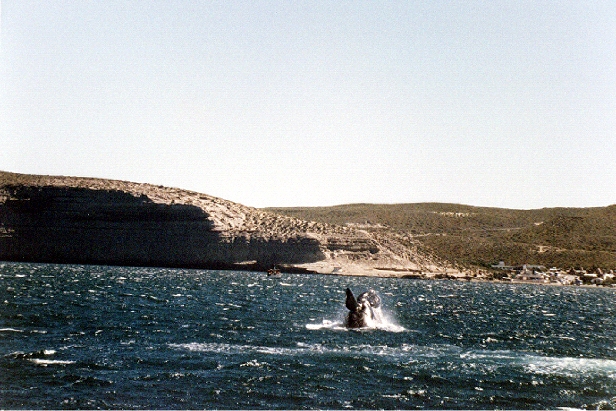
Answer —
(360, 273)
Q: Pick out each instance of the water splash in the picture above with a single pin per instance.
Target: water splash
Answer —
(382, 321)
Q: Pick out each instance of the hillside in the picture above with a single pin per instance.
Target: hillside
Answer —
(97, 221)
(480, 236)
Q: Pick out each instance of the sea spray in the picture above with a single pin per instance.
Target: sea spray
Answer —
(381, 320)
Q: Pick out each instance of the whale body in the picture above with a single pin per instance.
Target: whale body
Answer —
(364, 310)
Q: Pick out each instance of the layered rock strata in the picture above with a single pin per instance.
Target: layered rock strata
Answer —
(95, 221)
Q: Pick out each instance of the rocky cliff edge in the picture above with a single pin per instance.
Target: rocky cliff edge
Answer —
(98, 221)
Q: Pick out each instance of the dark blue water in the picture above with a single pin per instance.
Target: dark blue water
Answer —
(75, 336)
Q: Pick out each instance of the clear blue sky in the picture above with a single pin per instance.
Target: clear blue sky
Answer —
(291, 103)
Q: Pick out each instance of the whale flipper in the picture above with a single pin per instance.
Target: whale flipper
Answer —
(351, 302)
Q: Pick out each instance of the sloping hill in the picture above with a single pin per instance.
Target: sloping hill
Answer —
(481, 236)
(86, 220)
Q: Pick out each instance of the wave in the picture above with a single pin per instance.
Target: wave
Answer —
(224, 348)
(39, 357)
(306, 349)
(536, 364)
(17, 330)
(438, 353)
(34, 354)
(327, 325)
(45, 363)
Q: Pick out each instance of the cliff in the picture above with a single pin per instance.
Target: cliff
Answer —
(96, 221)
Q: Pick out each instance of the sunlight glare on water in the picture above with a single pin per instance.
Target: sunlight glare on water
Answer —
(75, 336)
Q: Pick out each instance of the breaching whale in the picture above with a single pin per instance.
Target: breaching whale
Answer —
(364, 311)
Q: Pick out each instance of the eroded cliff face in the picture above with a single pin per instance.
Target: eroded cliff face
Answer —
(93, 221)
(80, 225)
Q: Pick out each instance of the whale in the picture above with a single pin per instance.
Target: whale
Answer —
(364, 311)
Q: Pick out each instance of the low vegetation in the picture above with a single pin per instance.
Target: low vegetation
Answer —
(480, 236)
(465, 236)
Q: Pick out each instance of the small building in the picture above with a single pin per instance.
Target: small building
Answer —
(531, 273)
(501, 266)
(567, 279)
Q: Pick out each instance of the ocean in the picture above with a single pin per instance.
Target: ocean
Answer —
(98, 337)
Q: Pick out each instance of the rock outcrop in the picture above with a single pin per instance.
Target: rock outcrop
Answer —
(96, 221)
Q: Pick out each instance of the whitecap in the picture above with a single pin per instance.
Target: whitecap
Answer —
(252, 363)
(394, 396)
(303, 349)
(45, 363)
(327, 325)
(14, 330)
(535, 364)
(232, 348)
(571, 367)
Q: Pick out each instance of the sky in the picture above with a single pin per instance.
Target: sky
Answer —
(315, 103)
